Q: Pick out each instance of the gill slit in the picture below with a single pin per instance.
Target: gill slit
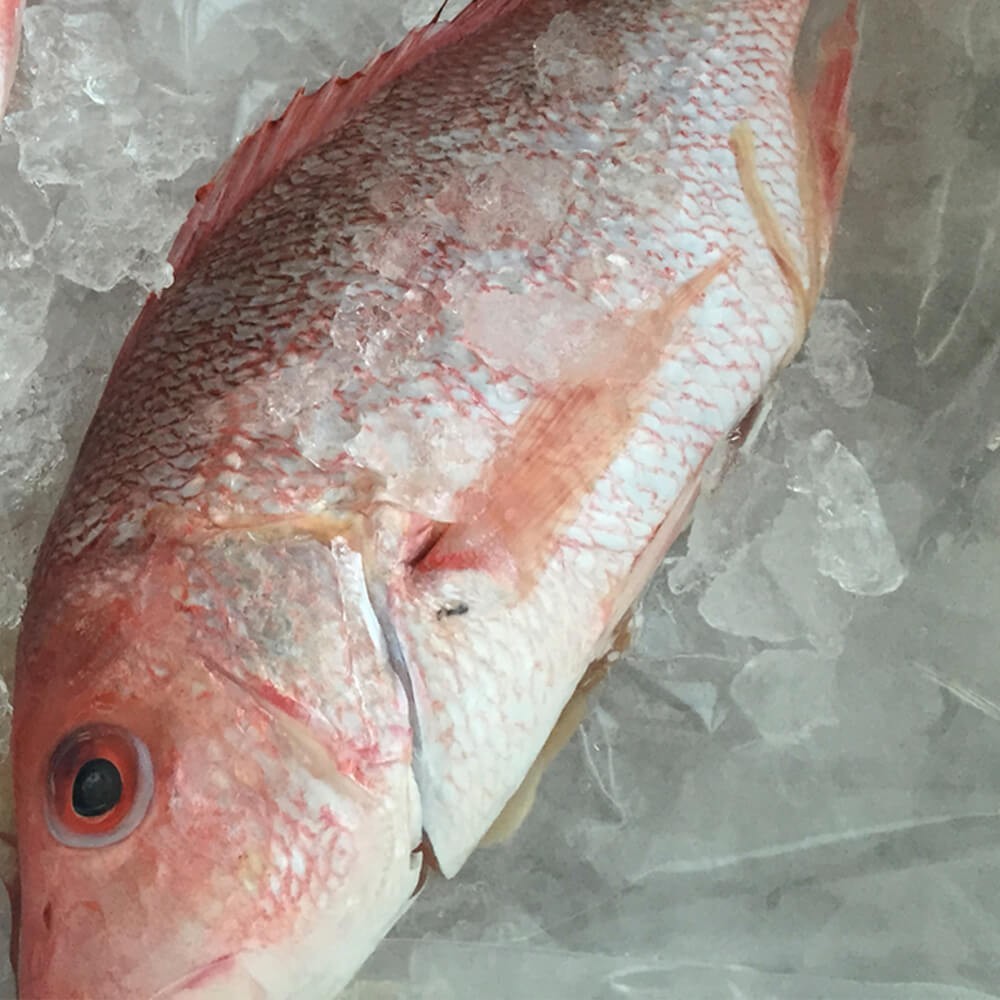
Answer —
(377, 591)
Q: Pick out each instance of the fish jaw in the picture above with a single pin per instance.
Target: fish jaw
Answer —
(268, 837)
(10, 44)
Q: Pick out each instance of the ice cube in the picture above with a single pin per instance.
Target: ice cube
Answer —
(13, 594)
(25, 295)
(835, 352)
(14, 251)
(745, 600)
(702, 698)
(790, 551)
(169, 138)
(67, 144)
(742, 505)
(855, 546)
(22, 355)
(32, 448)
(786, 693)
(26, 205)
(519, 200)
(128, 218)
(73, 55)
(540, 332)
(25, 214)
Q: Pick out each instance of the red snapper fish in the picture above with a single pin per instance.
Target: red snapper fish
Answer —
(385, 469)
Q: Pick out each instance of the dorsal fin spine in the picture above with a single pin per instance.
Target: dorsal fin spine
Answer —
(310, 119)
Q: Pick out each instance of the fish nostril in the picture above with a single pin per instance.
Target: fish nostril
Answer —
(47, 916)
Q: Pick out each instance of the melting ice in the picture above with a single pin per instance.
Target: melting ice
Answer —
(790, 786)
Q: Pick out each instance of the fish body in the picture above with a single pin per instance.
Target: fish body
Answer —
(382, 472)
(10, 44)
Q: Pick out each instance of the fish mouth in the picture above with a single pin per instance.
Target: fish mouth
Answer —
(214, 979)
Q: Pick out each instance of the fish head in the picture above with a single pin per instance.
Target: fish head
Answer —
(184, 830)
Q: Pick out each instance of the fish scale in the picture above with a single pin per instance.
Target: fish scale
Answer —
(395, 455)
(315, 219)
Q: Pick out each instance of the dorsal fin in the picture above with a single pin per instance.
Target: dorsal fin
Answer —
(311, 118)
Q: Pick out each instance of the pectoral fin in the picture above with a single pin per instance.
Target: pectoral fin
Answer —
(562, 444)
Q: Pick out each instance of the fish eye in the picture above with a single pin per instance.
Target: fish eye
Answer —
(97, 788)
(100, 786)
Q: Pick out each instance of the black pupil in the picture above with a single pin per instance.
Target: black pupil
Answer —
(97, 788)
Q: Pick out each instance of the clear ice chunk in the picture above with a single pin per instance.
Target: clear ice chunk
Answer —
(128, 218)
(32, 448)
(25, 294)
(67, 144)
(13, 594)
(835, 353)
(168, 140)
(786, 693)
(22, 355)
(790, 551)
(855, 548)
(521, 198)
(70, 55)
(743, 504)
(744, 599)
(14, 251)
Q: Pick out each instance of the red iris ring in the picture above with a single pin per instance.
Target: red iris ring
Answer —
(128, 755)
